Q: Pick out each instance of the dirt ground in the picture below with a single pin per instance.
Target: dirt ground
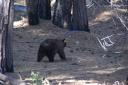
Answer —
(87, 63)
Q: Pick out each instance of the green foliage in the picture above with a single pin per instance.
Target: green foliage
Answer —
(36, 78)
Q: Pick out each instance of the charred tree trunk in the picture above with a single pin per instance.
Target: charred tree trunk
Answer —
(45, 9)
(6, 22)
(9, 41)
(66, 13)
(6, 58)
(62, 13)
(57, 15)
(33, 16)
(80, 18)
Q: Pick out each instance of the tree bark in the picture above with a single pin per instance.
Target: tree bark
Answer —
(6, 15)
(33, 16)
(66, 13)
(6, 58)
(45, 9)
(57, 15)
(80, 18)
(9, 41)
(62, 13)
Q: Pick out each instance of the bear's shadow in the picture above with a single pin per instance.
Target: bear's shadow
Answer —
(58, 60)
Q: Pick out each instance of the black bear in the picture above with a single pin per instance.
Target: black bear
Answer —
(50, 47)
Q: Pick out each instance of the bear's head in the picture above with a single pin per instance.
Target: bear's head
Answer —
(64, 42)
(61, 43)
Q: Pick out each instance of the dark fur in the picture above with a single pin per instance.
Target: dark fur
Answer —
(50, 47)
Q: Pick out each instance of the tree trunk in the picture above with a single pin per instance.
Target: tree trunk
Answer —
(6, 19)
(44, 9)
(57, 15)
(80, 20)
(6, 58)
(66, 13)
(32, 7)
(9, 41)
(62, 13)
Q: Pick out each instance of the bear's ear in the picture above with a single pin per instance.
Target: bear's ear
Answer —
(63, 40)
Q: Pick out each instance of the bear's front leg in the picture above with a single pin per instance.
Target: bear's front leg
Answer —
(51, 57)
(62, 55)
(39, 57)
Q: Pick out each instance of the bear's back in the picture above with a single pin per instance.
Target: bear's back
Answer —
(49, 44)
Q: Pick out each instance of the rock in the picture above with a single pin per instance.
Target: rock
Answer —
(74, 63)
(71, 51)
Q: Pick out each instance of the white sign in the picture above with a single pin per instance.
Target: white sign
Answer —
(106, 42)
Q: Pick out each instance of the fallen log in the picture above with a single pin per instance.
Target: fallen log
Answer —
(7, 80)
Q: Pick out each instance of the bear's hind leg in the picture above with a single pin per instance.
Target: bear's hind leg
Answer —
(51, 57)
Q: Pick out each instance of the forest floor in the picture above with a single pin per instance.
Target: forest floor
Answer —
(87, 63)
